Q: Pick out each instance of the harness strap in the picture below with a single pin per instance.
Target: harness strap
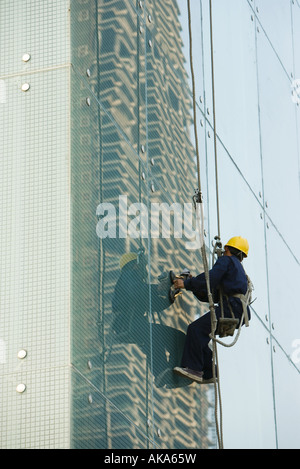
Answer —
(244, 301)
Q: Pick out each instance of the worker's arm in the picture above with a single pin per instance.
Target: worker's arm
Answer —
(198, 284)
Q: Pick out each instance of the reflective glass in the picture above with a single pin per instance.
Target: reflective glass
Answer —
(248, 221)
(98, 170)
(107, 45)
(279, 145)
(200, 42)
(106, 175)
(237, 119)
(172, 181)
(274, 19)
(296, 38)
(99, 423)
(246, 382)
(283, 300)
(287, 389)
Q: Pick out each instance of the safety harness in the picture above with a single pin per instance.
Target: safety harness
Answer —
(227, 326)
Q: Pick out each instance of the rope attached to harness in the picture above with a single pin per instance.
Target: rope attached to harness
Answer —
(198, 202)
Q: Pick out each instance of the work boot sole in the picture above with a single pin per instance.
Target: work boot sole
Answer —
(188, 373)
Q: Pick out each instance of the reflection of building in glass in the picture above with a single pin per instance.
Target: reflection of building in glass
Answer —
(95, 103)
(136, 143)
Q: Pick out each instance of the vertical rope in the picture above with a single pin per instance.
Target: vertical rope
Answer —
(215, 352)
(198, 199)
(194, 101)
(200, 221)
(214, 112)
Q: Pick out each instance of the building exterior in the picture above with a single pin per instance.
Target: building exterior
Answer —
(98, 161)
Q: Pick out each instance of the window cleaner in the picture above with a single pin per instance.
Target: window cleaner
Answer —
(230, 280)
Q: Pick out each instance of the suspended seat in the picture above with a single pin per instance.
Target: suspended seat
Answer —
(226, 326)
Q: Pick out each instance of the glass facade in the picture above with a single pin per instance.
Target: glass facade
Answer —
(97, 174)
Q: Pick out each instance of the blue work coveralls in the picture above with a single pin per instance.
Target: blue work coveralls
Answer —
(227, 273)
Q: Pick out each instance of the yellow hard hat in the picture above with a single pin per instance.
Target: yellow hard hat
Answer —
(239, 243)
(128, 257)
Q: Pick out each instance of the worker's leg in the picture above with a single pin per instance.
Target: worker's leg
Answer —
(196, 354)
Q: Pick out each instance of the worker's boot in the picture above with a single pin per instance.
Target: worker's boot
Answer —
(188, 373)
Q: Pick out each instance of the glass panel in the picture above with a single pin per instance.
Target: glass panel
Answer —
(287, 391)
(98, 423)
(200, 51)
(202, 75)
(296, 40)
(246, 220)
(35, 261)
(279, 146)
(171, 182)
(243, 367)
(97, 175)
(34, 414)
(236, 87)
(106, 45)
(34, 177)
(284, 278)
(34, 35)
(110, 332)
(274, 20)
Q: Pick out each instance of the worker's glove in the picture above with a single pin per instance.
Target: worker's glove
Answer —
(174, 290)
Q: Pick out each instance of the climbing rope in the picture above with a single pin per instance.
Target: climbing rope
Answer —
(198, 202)
(214, 113)
(214, 322)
